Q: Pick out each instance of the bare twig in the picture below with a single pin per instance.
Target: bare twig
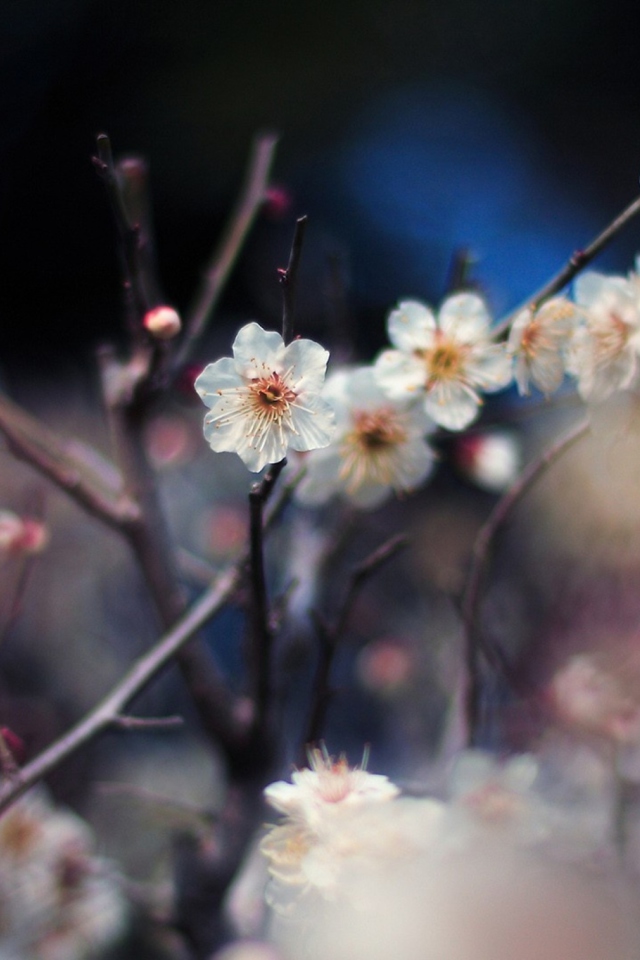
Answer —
(147, 723)
(331, 634)
(576, 262)
(288, 278)
(38, 446)
(138, 298)
(475, 643)
(225, 255)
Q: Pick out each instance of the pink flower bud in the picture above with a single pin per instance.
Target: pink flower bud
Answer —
(163, 323)
(14, 744)
(21, 534)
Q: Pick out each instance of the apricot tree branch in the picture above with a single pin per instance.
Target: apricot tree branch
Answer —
(225, 255)
(475, 642)
(576, 262)
(288, 278)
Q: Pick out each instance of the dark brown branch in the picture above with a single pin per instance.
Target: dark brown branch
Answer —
(225, 255)
(261, 633)
(474, 640)
(138, 298)
(577, 262)
(32, 442)
(330, 635)
(288, 278)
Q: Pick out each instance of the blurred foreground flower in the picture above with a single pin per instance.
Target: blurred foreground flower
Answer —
(450, 359)
(378, 447)
(510, 866)
(589, 699)
(58, 901)
(267, 398)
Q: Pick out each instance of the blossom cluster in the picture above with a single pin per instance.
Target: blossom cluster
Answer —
(365, 431)
(358, 870)
(58, 901)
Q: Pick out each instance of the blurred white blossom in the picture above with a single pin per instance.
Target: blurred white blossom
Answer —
(538, 341)
(379, 446)
(58, 901)
(604, 349)
(450, 360)
(266, 399)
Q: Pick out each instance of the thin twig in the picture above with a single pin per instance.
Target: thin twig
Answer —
(225, 255)
(126, 722)
(331, 634)
(138, 298)
(288, 278)
(475, 643)
(576, 262)
(133, 682)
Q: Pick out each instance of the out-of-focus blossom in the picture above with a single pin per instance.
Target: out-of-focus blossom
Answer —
(378, 447)
(460, 880)
(277, 201)
(21, 535)
(588, 698)
(538, 341)
(169, 441)
(492, 460)
(449, 360)
(327, 787)
(58, 901)
(603, 354)
(163, 323)
(385, 666)
(266, 399)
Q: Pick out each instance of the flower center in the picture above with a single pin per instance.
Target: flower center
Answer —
(444, 361)
(271, 395)
(376, 429)
(611, 339)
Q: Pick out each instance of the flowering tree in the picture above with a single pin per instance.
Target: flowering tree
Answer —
(359, 865)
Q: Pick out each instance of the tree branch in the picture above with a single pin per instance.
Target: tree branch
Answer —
(288, 278)
(576, 262)
(31, 441)
(474, 641)
(330, 635)
(225, 255)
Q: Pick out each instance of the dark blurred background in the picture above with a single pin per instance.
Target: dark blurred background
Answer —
(408, 128)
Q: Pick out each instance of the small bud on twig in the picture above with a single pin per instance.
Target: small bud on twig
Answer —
(163, 323)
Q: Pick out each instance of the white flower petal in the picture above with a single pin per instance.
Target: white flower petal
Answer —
(411, 326)
(465, 317)
(216, 377)
(305, 363)
(312, 421)
(256, 350)
(453, 406)
(400, 375)
(490, 368)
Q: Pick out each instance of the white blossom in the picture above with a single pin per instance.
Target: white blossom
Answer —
(449, 359)
(266, 399)
(538, 340)
(379, 446)
(604, 350)
(326, 786)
